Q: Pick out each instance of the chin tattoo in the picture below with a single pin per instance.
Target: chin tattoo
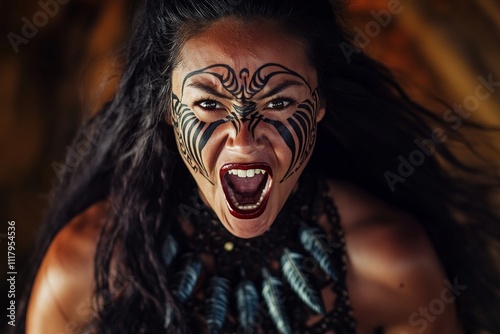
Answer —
(298, 131)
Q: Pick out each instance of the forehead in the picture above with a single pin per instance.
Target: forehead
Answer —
(240, 45)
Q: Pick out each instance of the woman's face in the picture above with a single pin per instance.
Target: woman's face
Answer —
(245, 106)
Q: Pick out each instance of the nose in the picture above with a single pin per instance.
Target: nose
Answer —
(244, 140)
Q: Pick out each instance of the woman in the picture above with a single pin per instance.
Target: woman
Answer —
(245, 179)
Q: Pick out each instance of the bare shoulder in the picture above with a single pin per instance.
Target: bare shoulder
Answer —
(393, 269)
(373, 228)
(61, 294)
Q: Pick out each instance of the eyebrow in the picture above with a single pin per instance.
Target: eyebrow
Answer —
(209, 89)
(282, 86)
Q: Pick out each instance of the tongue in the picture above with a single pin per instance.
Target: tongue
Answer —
(246, 186)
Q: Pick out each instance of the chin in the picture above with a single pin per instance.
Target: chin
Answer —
(248, 228)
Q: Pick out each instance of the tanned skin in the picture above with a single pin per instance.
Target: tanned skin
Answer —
(392, 268)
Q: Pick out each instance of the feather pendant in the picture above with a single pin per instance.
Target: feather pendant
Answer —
(248, 304)
(217, 302)
(170, 249)
(313, 242)
(187, 278)
(292, 270)
(168, 316)
(274, 301)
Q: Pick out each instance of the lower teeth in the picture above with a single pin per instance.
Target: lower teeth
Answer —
(250, 206)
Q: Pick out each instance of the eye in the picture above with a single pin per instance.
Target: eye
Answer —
(279, 103)
(209, 105)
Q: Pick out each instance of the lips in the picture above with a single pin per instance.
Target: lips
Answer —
(246, 188)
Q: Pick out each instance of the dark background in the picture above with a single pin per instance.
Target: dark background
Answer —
(69, 67)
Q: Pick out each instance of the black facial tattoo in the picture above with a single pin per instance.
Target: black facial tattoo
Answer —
(298, 132)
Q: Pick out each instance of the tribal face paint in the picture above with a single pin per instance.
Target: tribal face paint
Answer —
(245, 127)
(298, 131)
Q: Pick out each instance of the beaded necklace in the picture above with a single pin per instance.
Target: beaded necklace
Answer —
(266, 284)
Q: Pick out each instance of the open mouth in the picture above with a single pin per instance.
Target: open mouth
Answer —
(247, 188)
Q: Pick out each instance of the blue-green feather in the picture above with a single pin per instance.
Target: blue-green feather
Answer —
(292, 270)
(274, 301)
(187, 278)
(248, 304)
(169, 314)
(170, 249)
(313, 242)
(217, 302)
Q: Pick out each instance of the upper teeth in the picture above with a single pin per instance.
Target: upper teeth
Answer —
(246, 173)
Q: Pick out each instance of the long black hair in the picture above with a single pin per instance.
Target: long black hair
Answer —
(367, 137)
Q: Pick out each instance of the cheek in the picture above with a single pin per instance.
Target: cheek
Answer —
(296, 135)
(192, 137)
(213, 148)
(277, 136)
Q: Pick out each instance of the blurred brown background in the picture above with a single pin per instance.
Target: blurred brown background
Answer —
(67, 67)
